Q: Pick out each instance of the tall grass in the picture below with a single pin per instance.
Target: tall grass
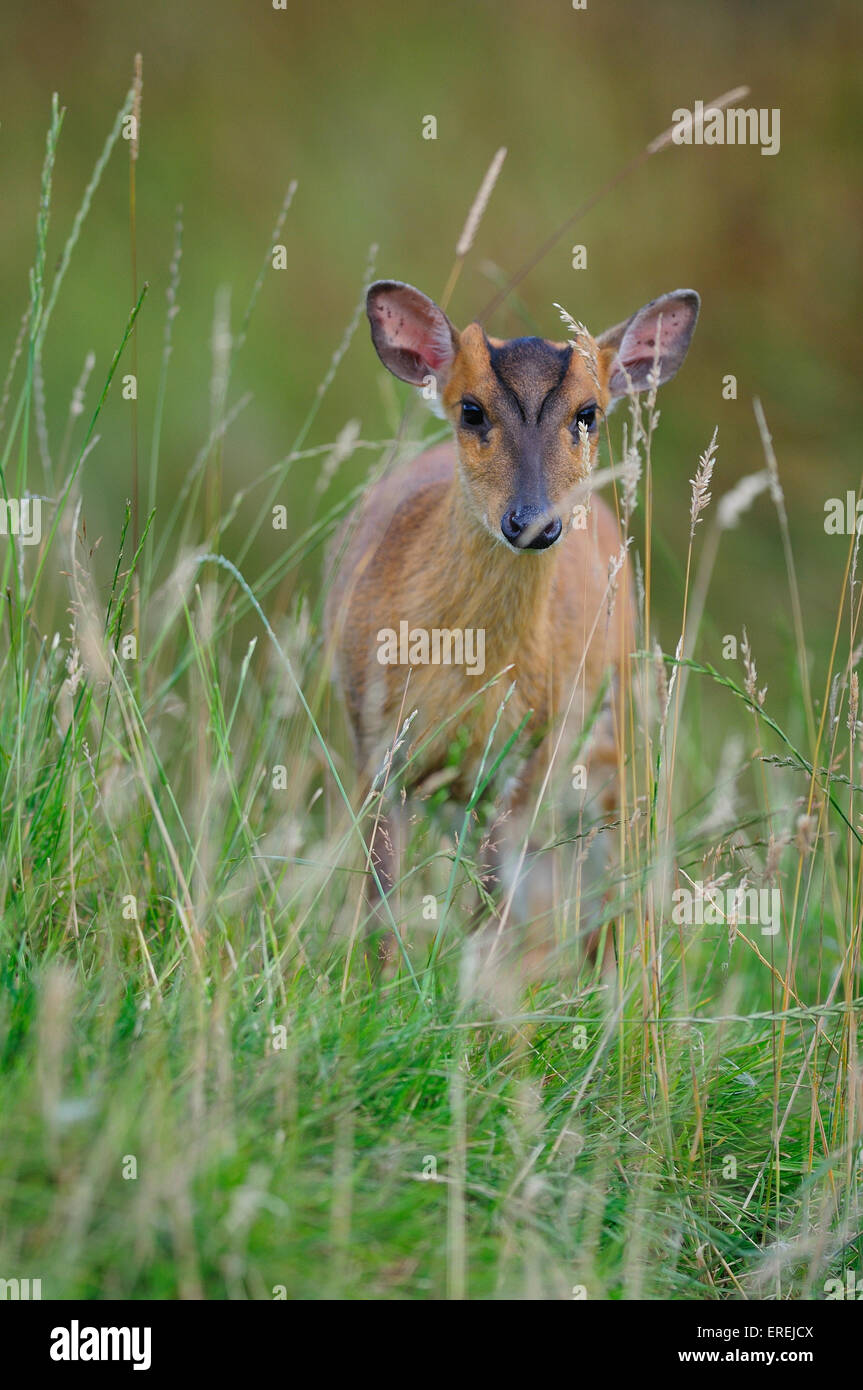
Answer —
(205, 1090)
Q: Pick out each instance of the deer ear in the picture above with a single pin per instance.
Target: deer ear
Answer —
(630, 348)
(413, 337)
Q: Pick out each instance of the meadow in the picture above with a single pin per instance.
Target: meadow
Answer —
(206, 1089)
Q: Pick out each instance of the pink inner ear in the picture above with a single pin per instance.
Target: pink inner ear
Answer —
(428, 340)
(640, 346)
(435, 355)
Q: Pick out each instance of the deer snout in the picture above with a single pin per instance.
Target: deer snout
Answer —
(525, 528)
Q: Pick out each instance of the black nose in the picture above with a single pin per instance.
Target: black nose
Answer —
(519, 521)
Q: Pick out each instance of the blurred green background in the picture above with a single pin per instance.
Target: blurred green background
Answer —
(241, 98)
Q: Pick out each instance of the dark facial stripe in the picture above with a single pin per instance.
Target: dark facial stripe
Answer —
(494, 356)
(554, 390)
(530, 370)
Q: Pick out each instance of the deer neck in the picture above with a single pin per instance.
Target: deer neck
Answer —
(482, 582)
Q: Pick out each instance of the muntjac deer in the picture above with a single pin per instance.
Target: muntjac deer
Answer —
(477, 537)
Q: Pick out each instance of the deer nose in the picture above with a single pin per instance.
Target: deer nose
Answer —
(521, 521)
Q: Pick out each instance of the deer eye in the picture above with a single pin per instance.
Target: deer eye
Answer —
(587, 417)
(472, 415)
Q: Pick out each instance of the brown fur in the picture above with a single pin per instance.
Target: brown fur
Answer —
(418, 554)
(425, 547)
